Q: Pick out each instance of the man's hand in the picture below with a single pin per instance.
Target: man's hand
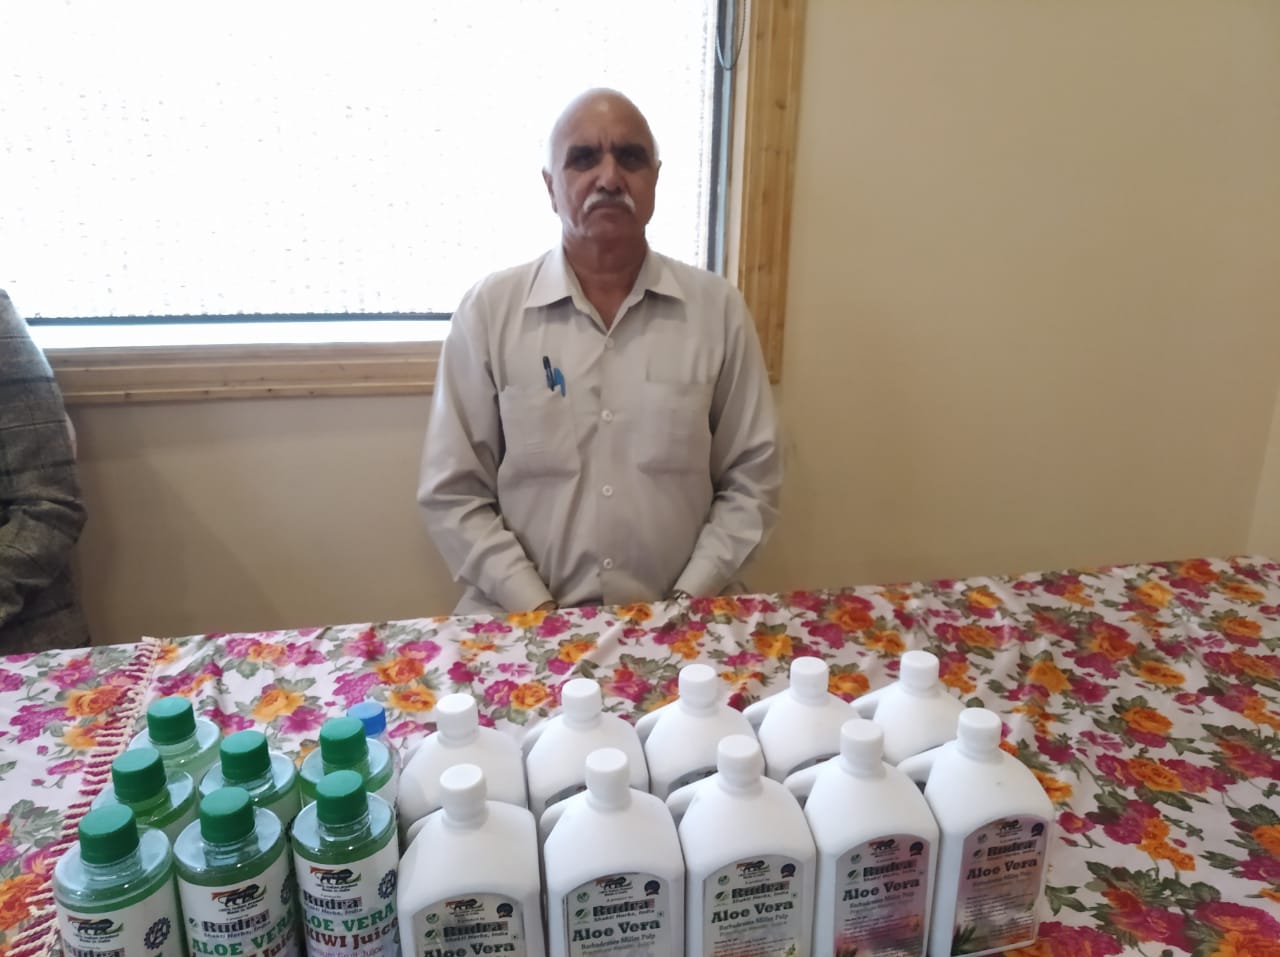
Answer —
(548, 605)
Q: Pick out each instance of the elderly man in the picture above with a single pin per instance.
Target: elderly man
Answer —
(602, 429)
(40, 510)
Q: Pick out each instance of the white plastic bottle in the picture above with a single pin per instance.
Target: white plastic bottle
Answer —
(995, 821)
(801, 725)
(469, 883)
(750, 860)
(556, 763)
(459, 739)
(614, 872)
(680, 738)
(917, 711)
(877, 848)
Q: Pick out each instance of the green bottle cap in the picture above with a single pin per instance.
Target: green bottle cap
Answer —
(341, 798)
(226, 816)
(342, 742)
(107, 834)
(138, 775)
(244, 756)
(171, 720)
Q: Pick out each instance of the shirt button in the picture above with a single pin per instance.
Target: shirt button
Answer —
(607, 415)
(607, 564)
(608, 343)
(607, 491)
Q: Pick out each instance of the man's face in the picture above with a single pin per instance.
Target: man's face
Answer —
(603, 171)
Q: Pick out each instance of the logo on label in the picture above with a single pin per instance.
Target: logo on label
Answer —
(101, 929)
(617, 884)
(506, 910)
(461, 908)
(387, 886)
(157, 934)
(1009, 827)
(748, 869)
(239, 899)
(887, 846)
(330, 879)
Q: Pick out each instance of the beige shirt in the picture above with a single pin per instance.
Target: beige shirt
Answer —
(658, 468)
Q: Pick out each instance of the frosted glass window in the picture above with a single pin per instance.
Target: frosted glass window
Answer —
(174, 159)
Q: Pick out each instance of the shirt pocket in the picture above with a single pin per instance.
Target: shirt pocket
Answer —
(538, 431)
(674, 433)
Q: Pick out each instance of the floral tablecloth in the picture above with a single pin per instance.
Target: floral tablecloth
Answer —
(1146, 698)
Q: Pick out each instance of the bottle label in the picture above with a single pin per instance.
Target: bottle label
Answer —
(1001, 872)
(469, 924)
(882, 889)
(149, 928)
(752, 908)
(565, 793)
(349, 910)
(252, 918)
(809, 763)
(697, 774)
(620, 914)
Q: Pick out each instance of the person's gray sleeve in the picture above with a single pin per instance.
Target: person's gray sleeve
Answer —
(746, 463)
(41, 513)
(458, 492)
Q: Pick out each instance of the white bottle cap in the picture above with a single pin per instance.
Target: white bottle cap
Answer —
(978, 731)
(456, 716)
(463, 793)
(608, 776)
(739, 761)
(918, 670)
(862, 746)
(809, 678)
(699, 687)
(581, 700)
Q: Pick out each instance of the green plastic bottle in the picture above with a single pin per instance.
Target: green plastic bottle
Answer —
(185, 742)
(138, 779)
(344, 747)
(114, 892)
(234, 880)
(346, 855)
(244, 761)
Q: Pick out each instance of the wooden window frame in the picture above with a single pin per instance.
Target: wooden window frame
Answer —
(759, 232)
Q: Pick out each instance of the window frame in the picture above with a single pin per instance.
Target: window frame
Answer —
(757, 241)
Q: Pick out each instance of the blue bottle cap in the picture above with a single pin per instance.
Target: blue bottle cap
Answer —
(370, 714)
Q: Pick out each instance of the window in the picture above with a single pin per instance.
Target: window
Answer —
(288, 159)
(295, 161)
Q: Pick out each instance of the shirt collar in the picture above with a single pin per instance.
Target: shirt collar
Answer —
(556, 281)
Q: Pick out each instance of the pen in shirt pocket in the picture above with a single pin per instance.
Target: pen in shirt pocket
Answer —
(554, 376)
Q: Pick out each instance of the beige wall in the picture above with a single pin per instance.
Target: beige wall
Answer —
(1034, 306)
(1034, 321)
(1264, 536)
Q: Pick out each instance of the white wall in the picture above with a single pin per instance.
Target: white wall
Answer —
(1033, 322)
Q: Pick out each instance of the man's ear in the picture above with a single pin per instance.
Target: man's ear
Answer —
(546, 178)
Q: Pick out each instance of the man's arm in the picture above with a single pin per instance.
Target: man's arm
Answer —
(458, 491)
(41, 513)
(746, 463)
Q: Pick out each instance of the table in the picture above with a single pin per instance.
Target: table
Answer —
(1146, 698)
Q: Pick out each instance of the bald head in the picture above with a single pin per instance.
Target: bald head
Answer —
(601, 174)
(602, 103)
